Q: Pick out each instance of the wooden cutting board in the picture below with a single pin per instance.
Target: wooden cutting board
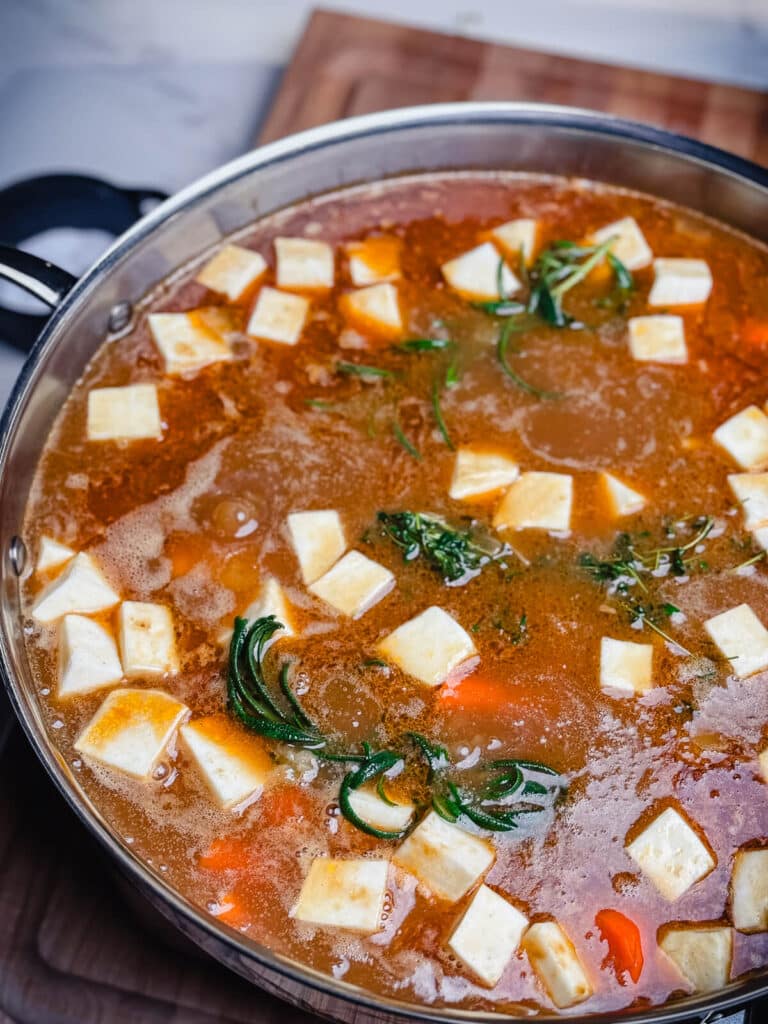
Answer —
(345, 65)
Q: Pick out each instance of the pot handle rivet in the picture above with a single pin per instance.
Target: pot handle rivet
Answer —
(120, 316)
(17, 555)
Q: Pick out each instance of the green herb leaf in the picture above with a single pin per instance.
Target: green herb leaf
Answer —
(401, 439)
(366, 372)
(424, 344)
(439, 415)
(502, 351)
(456, 555)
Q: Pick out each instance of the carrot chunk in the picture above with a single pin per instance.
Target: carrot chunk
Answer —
(625, 950)
(231, 911)
(227, 854)
(284, 803)
(755, 332)
(475, 693)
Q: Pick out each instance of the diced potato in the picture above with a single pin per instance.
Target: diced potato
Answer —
(233, 763)
(445, 858)
(428, 647)
(751, 490)
(745, 438)
(52, 554)
(318, 540)
(354, 584)
(539, 501)
(671, 855)
(147, 640)
(131, 730)
(630, 246)
(88, 658)
(378, 813)
(80, 589)
(374, 260)
(626, 669)
(475, 274)
(278, 316)
(749, 891)
(623, 500)
(702, 954)
(304, 263)
(741, 638)
(658, 339)
(557, 964)
(517, 236)
(679, 282)
(186, 342)
(232, 271)
(488, 935)
(375, 309)
(477, 474)
(129, 413)
(346, 894)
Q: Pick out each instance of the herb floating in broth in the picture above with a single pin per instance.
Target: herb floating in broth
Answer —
(362, 371)
(439, 415)
(457, 554)
(425, 345)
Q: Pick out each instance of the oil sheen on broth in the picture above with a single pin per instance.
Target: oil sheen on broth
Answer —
(574, 633)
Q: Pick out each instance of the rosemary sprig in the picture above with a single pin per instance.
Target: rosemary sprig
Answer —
(363, 371)
(424, 344)
(439, 415)
(456, 554)
(502, 351)
(403, 441)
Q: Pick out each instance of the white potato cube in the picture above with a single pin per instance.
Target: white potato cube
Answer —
(701, 954)
(354, 584)
(88, 658)
(375, 309)
(679, 282)
(556, 963)
(318, 540)
(278, 316)
(346, 894)
(751, 490)
(304, 263)
(445, 858)
(658, 339)
(232, 271)
(428, 647)
(488, 935)
(372, 809)
(745, 437)
(374, 260)
(233, 763)
(623, 500)
(52, 554)
(480, 473)
(131, 730)
(130, 413)
(626, 669)
(671, 855)
(517, 236)
(741, 638)
(475, 274)
(186, 342)
(80, 589)
(630, 246)
(147, 640)
(749, 891)
(538, 501)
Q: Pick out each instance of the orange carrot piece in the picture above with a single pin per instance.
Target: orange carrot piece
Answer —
(232, 911)
(284, 803)
(227, 854)
(475, 693)
(625, 950)
(755, 332)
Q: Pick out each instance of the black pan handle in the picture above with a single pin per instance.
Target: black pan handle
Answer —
(54, 201)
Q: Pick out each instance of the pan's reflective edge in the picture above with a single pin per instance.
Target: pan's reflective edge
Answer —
(507, 136)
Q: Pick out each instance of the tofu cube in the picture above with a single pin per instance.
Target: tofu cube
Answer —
(537, 501)
(233, 271)
(81, 589)
(477, 474)
(52, 554)
(671, 855)
(272, 601)
(375, 309)
(378, 813)
(630, 246)
(346, 894)
(278, 316)
(186, 342)
(556, 963)
(88, 658)
(354, 584)
(304, 264)
(374, 260)
(233, 763)
(626, 669)
(444, 858)
(516, 237)
(679, 282)
(318, 540)
(488, 935)
(702, 954)
(130, 413)
(131, 730)
(741, 638)
(657, 339)
(147, 641)
(751, 490)
(745, 438)
(749, 891)
(622, 499)
(428, 647)
(475, 274)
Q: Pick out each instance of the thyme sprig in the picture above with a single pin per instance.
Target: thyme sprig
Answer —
(458, 555)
